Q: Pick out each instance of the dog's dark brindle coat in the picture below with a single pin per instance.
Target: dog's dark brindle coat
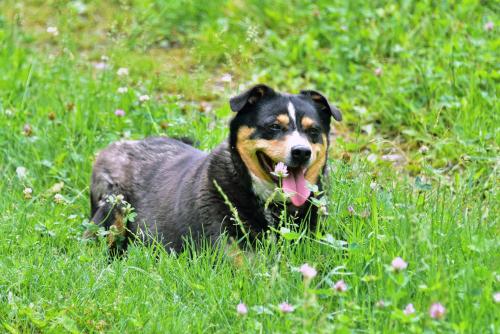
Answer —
(171, 184)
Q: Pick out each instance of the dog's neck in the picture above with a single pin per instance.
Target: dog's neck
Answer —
(231, 175)
(246, 193)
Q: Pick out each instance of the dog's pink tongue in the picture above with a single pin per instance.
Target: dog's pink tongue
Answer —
(295, 184)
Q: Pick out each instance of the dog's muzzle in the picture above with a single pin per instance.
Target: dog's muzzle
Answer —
(299, 156)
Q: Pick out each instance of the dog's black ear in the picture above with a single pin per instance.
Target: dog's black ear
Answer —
(323, 103)
(250, 96)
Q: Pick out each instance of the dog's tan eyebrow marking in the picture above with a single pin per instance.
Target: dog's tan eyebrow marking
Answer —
(307, 122)
(283, 119)
(245, 132)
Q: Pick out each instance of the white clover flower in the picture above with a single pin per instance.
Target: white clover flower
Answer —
(119, 112)
(144, 98)
(53, 31)
(57, 187)
(323, 210)
(122, 71)
(280, 170)
(437, 311)
(226, 77)
(21, 172)
(100, 66)
(58, 198)
(122, 90)
(409, 309)
(27, 193)
(398, 264)
(241, 309)
(307, 271)
(340, 286)
(286, 308)
(423, 149)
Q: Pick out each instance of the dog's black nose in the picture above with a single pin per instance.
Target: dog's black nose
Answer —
(301, 154)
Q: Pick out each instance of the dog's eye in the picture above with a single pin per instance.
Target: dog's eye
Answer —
(313, 133)
(275, 127)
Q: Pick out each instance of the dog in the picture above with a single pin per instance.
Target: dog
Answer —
(178, 191)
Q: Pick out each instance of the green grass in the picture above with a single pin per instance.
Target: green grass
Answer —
(438, 208)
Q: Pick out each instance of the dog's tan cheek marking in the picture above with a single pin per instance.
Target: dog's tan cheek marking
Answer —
(319, 150)
(247, 148)
(284, 120)
(307, 122)
(275, 149)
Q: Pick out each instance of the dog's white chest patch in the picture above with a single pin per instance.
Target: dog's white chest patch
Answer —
(261, 188)
(264, 190)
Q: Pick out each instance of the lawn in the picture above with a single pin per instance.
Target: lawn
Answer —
(414, 166)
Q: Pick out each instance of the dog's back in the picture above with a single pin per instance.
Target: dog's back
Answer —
(135, 170)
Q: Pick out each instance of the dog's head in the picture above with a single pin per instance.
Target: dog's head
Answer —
(272, 127)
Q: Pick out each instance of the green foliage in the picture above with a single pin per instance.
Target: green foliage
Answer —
(416, 81)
